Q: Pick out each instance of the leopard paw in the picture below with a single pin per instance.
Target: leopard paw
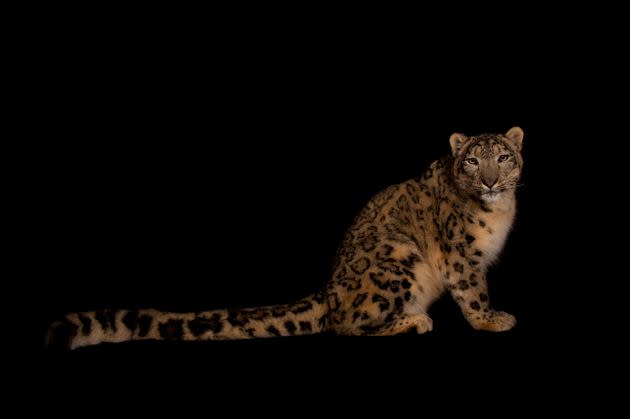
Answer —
(496, 321)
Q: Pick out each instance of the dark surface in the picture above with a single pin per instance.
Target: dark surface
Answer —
(246, 208)
(186, 185)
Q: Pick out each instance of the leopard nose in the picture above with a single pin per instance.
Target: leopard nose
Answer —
(489, 181)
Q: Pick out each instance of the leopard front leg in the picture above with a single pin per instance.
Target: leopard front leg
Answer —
(469, 289)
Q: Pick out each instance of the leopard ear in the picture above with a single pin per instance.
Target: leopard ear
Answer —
(515, 135)
(457, 143)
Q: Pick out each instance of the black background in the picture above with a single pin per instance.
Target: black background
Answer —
(185, 175)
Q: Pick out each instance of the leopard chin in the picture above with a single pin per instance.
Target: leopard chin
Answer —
(490, 197)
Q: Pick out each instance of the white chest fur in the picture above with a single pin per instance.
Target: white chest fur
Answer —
(491, 230)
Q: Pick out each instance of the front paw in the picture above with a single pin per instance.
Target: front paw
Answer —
(496, 321)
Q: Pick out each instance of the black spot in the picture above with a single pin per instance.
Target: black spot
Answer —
(402, 203)
(107, 319)
(323, 322)
(482, 223)
(102, 319)
(145, 324)
(355, 316)
(86, 325)
(301, 307)
(377, 279)
(130, 320)
(398, 303)
(359, 300)
(236, 319)
(360, 265)
(390, 265)
(388, 249)
(383, 302)
(364, 316)
(319, 297)
(407, 296)
(470, 220)
(405, 284)
(475, 306)
(258, 313)
(111, 314)
(278, 311)
(461, 249)
(478, 253)
(447, 248)
(368, 245)
(483, 297)
(353, 284)
(463, 285)
(333, 301)
(200, 325)
(410, 260)
(290, 326)
(469, 238)
(370, 329)
(305, 326)
(273, 331)
(171, 330)
(473, 262)
(458, 267)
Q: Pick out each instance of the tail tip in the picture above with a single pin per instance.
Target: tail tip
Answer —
(59, 336)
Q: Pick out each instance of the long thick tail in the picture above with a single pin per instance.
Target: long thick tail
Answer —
(304, 317)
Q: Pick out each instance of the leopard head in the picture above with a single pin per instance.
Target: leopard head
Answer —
(488, 165)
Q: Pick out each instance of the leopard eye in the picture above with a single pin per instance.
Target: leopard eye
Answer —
(503, 157)
(472, 161)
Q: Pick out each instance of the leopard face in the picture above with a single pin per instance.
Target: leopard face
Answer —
(487, 165)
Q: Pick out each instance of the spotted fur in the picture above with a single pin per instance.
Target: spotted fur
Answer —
(411, 243)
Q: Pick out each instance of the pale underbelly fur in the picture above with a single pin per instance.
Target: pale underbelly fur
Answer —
(489, 239)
